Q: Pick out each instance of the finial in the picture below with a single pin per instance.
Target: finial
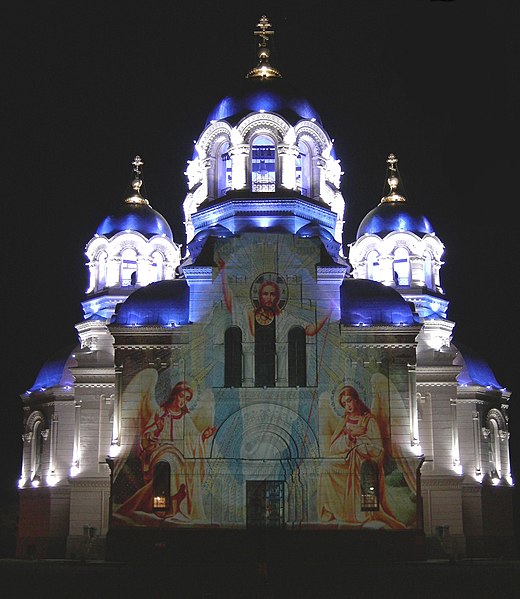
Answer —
(392, 180)
(137, 183)
(263, 69)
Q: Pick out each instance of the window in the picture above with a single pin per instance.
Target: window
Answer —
(233, 357)
(369, 486)
(263, 164)
(161, 486)
(157, 273)
(494, 449)
(401, 267)
(224, 170)
(128, 268)
(102, 270)
(265, 354)
(297, 366)
(36, 449)
(265, 504)
(303, 169)
(428, 274)
(373, 266)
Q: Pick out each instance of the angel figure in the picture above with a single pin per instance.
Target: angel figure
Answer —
(170, 435)
(356, 439)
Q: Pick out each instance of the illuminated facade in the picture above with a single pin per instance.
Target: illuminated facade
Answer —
(267, 378)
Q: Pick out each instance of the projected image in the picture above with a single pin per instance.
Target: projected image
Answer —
(267, 417)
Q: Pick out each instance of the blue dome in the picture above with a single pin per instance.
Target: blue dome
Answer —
(198, 242)
(314, 229)
(475, 370)
(394, 216)
(269, 95)
(164, 303)
(55, 371)
(135, 216)
(365, 302)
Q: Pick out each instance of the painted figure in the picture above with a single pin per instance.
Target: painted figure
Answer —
(171, 437)
(357, 439)
(267, 303)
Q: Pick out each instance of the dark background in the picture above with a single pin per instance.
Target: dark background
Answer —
(88, 85)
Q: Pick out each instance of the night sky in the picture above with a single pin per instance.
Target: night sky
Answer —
(89, 85)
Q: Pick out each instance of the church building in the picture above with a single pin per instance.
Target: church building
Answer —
(263, 376)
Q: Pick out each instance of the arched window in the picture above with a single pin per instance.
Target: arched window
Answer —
(265, 354)
(369, 486)
(494, 449)
(401, 266)
(428, 271)
(102, 271)
(297, 365)
(303, 169)
(36, 449)
(224, 170)
(157, 267)
(233, 357)
(128, 267)
(161, 486)
(373, 266)
(263, 164)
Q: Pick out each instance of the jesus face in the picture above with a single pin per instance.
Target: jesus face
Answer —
(269, 295)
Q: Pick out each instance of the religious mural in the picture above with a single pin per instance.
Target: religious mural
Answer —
(301, 437)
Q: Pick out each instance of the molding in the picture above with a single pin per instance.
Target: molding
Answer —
(441, 481)
(89, 482)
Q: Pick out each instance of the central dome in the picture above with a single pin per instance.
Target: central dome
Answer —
(269, 95)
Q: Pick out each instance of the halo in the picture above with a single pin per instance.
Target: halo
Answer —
(275, 278)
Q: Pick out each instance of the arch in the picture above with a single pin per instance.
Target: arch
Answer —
(269, 430)
(429, 281)
(263, 163)
(297, 357)
(35, 426)
(401, 265)
(369, 481)
(102, 260)
(157, 273)
(128, 266)
(161, 486)
(304, 168)
(373, 266)
(496, 425)
(223, 175)
(233, 357)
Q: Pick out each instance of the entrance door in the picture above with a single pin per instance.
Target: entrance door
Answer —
(264, 504)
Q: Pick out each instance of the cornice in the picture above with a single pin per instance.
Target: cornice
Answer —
(445, 481)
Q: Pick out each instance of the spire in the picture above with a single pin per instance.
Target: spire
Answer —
(137, 183)
(263, 69)
(392, 178)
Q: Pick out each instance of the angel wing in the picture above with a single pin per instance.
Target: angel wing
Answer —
(138, 404)
(383, 389)
(203, 415)
(328, 422)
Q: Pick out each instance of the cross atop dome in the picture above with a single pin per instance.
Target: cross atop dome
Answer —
(393, 181)
(137, 183)
(263, 69)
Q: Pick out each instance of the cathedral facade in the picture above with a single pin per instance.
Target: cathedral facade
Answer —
(266, 377)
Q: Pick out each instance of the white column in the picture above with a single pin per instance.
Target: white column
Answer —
(476, 444)
(455, 452)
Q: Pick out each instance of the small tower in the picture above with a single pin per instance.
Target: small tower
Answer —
(396, 245)
(131, 248)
